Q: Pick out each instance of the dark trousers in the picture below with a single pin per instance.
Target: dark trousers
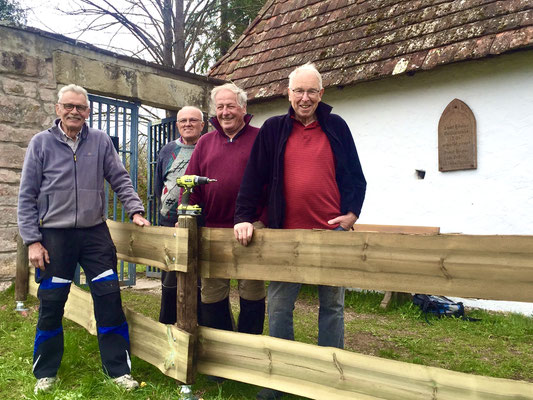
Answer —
(169, 297)
(96, 253)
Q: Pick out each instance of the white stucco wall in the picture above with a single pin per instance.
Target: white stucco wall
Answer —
(395, 122)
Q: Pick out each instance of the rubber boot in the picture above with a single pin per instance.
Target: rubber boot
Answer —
(217, 315)
(252, 316)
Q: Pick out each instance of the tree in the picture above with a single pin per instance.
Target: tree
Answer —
(10, 10)
(183, 34)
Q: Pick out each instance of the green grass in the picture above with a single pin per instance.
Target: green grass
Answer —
(499, 345)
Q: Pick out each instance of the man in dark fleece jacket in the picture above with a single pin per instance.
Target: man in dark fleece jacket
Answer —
(308, 160)
(222, 155)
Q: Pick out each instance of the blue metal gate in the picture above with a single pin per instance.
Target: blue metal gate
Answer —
(159, 133)
(120, 120)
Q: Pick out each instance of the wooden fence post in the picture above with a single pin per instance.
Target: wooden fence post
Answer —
(22, 272)
(187, 301)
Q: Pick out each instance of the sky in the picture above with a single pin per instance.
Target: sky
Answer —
(46, 15)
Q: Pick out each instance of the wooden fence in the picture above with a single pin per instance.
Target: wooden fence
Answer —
(490, 267)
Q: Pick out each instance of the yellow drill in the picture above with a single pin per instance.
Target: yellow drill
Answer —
(188, 182)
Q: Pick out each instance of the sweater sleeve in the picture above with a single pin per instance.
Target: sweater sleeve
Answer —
(350, 177)
(30, 185)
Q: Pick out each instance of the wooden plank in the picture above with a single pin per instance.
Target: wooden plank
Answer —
(407, 229)
(488, 267)
(329, 373)
(22, 273)
(165, 346)
(157, 246)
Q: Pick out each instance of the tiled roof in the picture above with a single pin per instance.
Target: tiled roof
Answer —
(358, 40)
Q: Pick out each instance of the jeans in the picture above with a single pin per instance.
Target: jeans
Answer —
(281, 299)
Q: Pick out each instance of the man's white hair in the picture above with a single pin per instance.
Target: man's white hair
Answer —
(242, 97)
(72, 88)
(192, 108)
(306, 67)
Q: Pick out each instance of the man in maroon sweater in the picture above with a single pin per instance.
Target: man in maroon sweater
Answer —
(222, 155)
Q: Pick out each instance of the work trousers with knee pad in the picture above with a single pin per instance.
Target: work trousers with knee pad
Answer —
(94, 250)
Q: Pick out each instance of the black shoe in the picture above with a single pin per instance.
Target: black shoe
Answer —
(269, 394)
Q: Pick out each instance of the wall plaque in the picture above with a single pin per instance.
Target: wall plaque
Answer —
(457, 138)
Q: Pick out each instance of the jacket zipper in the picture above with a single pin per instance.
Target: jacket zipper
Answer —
(279, 164)
(76, 192)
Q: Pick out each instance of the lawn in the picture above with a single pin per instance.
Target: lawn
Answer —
(500, 345)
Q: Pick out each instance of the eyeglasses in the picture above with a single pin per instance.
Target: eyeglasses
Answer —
(311, 93)
(193, 121)
(70, 107)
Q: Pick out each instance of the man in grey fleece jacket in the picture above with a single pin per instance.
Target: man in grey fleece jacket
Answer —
(61, 218)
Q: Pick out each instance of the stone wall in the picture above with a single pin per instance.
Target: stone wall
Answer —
(33, 66)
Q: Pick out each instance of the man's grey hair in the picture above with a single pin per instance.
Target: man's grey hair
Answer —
(192, 108)
(306, 67)
(72, 88)
(242, 97)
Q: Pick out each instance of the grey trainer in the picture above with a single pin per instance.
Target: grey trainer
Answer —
(126, 382)
(44, 384)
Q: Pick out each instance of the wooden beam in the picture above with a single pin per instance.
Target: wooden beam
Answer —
(157, 246)
(165, 346)
(418, 230)
(330, 373)
(407, 229)
(488, 267)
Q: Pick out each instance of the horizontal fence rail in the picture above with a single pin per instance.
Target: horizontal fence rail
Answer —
(158, 246)
(492, 267)
(330, 373)
(487, 267)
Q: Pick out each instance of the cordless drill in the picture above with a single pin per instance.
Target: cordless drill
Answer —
(188, 182)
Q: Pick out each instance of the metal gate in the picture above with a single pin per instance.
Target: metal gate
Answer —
(120, 120)
(159, 133)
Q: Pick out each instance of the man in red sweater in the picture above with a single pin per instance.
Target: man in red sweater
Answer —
(222, 154)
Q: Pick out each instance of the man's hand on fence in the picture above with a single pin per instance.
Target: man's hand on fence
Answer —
(346, 221)
(138, 219)
(38, 255)
(243, 232)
